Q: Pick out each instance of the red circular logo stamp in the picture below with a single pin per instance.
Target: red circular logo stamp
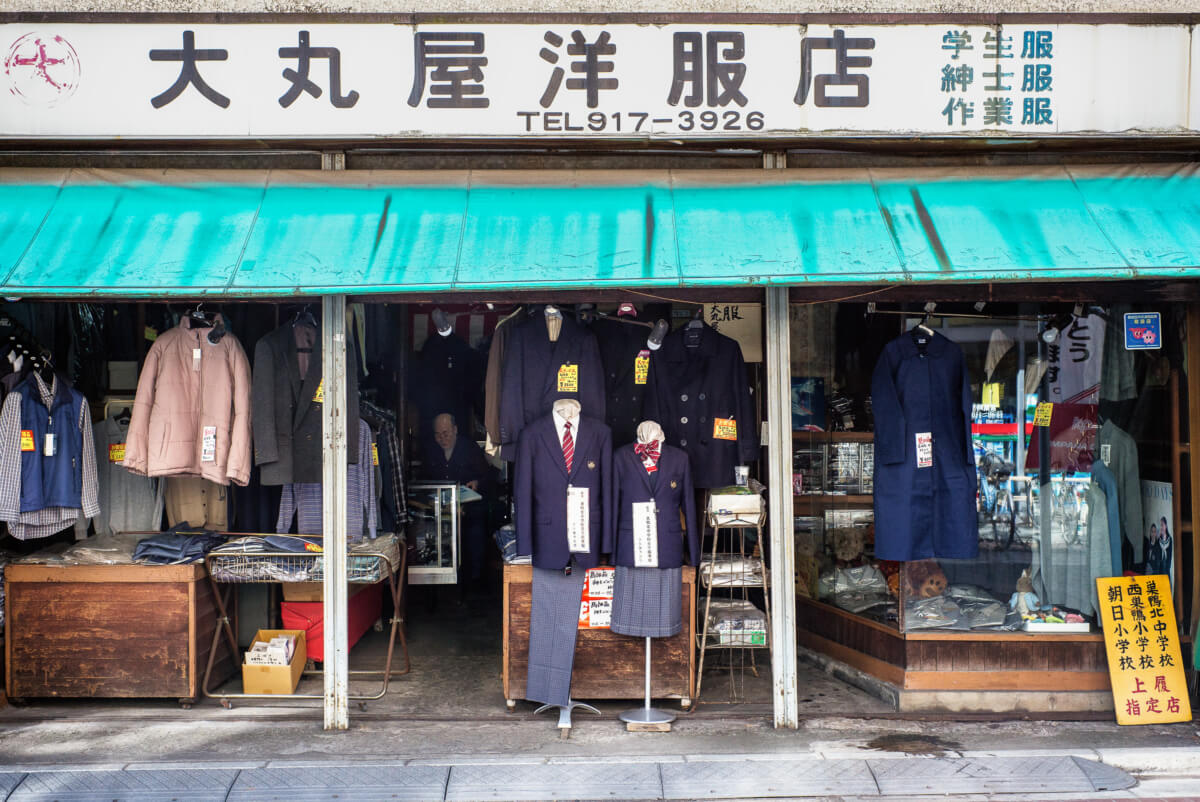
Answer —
(42, 69)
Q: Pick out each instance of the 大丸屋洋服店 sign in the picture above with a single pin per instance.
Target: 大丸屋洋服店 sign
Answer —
(1142, 642)
(576, 81)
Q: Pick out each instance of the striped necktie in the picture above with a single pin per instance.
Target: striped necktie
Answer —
(568, 445)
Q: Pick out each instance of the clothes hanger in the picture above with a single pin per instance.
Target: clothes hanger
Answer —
(441, 322)
(199, 318)
(304, 317)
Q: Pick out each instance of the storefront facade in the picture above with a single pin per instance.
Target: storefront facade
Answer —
(762, 93)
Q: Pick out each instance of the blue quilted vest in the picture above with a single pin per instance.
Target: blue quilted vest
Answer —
(55, 481)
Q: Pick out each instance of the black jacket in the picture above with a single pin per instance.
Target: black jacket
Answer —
(467, 463)
(288, 446)
(690, 387)
(532, 368)
(620, 346)
(447, 376)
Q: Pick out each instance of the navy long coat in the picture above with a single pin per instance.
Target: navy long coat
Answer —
(923, 512)
(529, 384)
(670, 488)
(692, 383)
(540, 492)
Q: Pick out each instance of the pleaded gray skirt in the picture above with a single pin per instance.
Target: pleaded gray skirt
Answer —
(647, 602)
(553, 625)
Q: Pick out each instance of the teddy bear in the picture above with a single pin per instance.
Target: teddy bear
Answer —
(923, 579)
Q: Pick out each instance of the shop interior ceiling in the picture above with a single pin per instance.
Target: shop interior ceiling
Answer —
(243, 233)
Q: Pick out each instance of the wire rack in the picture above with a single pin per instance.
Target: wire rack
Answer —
(366, 567)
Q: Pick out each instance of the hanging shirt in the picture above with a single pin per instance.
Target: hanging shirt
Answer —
(305, 500)
(48, 520)
(128, 502)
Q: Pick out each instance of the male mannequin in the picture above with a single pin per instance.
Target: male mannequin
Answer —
(563, 542)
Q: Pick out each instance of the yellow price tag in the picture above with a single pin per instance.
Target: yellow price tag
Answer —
(27, 440)
(641, 367)
(724, 429)
(116, 452)
(319, 398)
(150, 333)
(375, 455)
(568, 378)
(1041, 416)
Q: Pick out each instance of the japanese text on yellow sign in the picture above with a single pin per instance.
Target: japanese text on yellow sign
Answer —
(1041, 416)
(568, 378)
(1142, 642)
(27, 440)
(319, 396)
(641, 367)
(724, 429)
(116, 452)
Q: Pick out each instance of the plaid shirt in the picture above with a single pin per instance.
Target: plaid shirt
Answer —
(49, 520)
(304, 499)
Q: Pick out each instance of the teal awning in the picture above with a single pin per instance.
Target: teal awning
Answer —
(281, 233)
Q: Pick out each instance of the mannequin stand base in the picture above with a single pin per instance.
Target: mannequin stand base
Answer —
(564, 715)
(647, 719)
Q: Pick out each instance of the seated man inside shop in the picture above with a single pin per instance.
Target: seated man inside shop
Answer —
(460, 459)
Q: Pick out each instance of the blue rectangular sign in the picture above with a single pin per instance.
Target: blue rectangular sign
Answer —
(1143, 331)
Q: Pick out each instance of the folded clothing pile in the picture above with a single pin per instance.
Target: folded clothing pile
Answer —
(180, 544)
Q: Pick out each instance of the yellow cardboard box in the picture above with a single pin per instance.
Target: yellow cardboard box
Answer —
(276, 679)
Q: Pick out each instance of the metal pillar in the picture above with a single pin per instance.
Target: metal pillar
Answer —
(333, 508)
(779, 494)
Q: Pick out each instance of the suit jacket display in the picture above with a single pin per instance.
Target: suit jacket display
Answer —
(540, 492)
(923, 512)
(620, 344)
(287, 413)
(531, 371)
(692, 385)
(447, 377)
(670, 488)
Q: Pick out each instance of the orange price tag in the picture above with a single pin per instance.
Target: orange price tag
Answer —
(27, 440)
(724, 429)
(116, 452)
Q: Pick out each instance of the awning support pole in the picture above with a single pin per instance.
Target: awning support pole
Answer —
(333, 509)
(779, 496)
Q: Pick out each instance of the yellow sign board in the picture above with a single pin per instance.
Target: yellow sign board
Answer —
(568, 378)
(1041, 415)
(1142, 641)
(641, 367)
(724, 429)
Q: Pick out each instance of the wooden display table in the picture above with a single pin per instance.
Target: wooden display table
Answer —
(109, 631)
(607, 665)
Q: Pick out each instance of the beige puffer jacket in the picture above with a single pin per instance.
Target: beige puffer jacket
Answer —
(179, 397)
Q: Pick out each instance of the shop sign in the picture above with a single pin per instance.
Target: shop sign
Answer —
(1142, 641)
(1143, 331)
(563, 80)
(741, 322)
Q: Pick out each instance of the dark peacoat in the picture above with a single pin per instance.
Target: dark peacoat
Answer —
(447, 376)
(288, 445)
(670, 488)
(540, 492)
(621, 344)
(929, 511)
(692, 383)
(531, 371)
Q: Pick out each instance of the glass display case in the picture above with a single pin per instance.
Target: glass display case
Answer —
(433, 526)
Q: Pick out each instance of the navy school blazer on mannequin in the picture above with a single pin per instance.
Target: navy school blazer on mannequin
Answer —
(540, 492)
(670, 487)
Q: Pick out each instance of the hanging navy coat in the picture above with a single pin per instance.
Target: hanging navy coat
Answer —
(621, 344)
(531, 371)
(923, 512)
(696, 378)
(670, 488)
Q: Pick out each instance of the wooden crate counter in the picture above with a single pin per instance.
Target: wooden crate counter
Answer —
(109, 631)
(607, 665)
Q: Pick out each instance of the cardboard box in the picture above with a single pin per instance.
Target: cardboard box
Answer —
(315, 591)
(275, 679)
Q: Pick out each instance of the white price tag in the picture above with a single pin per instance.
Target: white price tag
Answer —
(645, 534)
(208, 446)
(924, 449)
(1106, 454)
(196, 359)
(48, 447)
(578, 531)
